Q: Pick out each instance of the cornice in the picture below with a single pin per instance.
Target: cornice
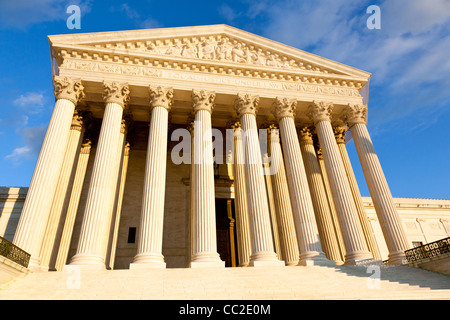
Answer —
(140, 38)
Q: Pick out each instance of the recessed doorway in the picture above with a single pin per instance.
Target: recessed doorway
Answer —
(226, 232)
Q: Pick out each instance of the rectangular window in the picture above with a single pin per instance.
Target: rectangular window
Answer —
(132, 235)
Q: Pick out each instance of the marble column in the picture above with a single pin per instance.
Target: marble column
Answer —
(283, 209)
(263, 253)
(340, 132)
(205, 238)
(355, 243)
(240, 200)
(149, 253)
(271, 202)
(324, 218)
(307, 232)
(96, 219)
(119, 185)
(118, 207)
(30, 230)
(390, 221)
(326, 184)
(72, 208)
(60, 200)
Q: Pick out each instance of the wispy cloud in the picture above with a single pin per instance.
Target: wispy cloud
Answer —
(134, 15)
(408, 57)
(19, 14)
(31, 102)
(32, 140)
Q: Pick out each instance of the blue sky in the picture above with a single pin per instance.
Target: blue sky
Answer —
(409, 104)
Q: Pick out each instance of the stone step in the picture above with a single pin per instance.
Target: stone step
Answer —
(340, 282)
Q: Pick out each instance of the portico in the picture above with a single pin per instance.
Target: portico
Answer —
(129, 91)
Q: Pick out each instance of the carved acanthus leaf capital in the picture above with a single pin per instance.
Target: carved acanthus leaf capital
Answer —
(67, 88)
(86, 146)
(284, 107)
(77, 121)
(126, 123)
(320, 111)
(246, 103)
(339, 133)
(114, 92)
(203, 100)
(356, 113)
(161, 97)
(305, 135)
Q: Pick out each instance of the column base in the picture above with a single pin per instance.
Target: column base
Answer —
(316, 261)
(88, 261)
(357, 257)
(266, 263)
(396, 258)
(147, 265)
(205, 264)
(206, 260)
(148, 261)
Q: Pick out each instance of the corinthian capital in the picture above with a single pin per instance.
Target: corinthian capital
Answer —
(320, 111)
(339, 133)
(203, 100)
(161, 97)
(116, 93)
(356, 113)
(77, 121)
(305, 135)
(284, 107)
(67, 88)
(246, 103)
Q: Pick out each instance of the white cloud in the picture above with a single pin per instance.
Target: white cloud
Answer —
(134, 15)
(31, 102)
(408, 57)
(22, 13)
(32, 140)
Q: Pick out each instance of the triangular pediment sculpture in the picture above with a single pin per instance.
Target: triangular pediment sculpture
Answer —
(217, 44)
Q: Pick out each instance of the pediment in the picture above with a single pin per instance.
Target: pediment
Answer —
(217, 48)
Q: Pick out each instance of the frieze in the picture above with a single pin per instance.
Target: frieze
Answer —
(145, 71)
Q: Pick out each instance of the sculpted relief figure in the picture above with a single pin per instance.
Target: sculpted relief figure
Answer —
(223, 50)
(189, 50)
(175, 49)
(238, 53)
(206, 50)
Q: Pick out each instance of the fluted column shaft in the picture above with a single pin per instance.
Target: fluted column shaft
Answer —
(302, 207)
(36, 209)
(240, 202)
(319, 198)
(205, 244)
(329, 197)
(96, 220)
(368, 233)
(261, 234)
(72, 208)
(355, 243)
(118, 213)
(285, 217)
(60, 200)
(149, 253)
(390, 222)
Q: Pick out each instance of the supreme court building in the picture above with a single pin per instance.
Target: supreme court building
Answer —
(108, 193)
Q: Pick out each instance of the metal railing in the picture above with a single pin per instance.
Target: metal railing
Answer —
(14, 253)
(429, 250)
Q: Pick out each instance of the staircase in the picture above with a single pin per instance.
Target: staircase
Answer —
(312, 282)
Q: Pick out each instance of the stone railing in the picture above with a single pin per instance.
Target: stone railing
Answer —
(13, 253)
(429, 250)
